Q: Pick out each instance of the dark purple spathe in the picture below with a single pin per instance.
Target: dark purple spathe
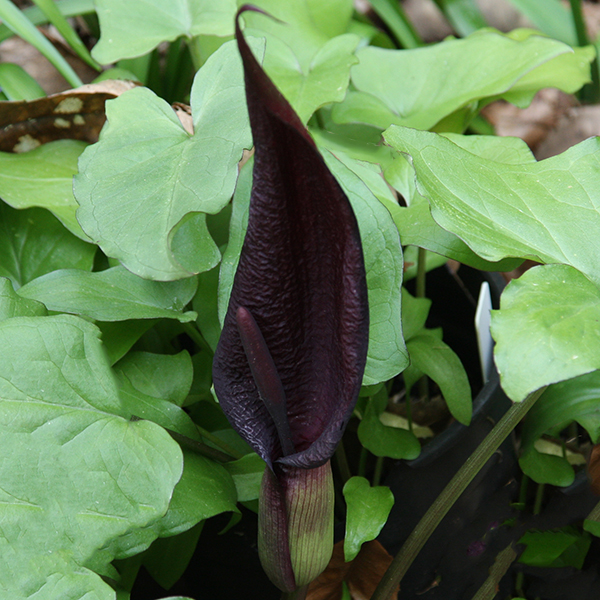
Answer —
(301, 277)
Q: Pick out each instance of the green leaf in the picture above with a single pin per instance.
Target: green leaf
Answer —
(562, 403)
(419, 87)
(167, 558)
(306, 62)
(153, 386)
(112, 295)
(205, 489)
(382, 440)
(387, 354)
(546, 330)
(438, 361)
(17, 84)
(247, 474)
(206, 305)
(368, 510)
(33, 243)
(13, 305)
(546, 211)
(551, 17)
(393, 15)
(15, 20)
(87, 479)
(154, 22)
(146, 186)
(464, 15)
(69, 8)
(546, 468)
(119, 336)
(414, 314)
(166, 376)
(558, 548)
(44, 177)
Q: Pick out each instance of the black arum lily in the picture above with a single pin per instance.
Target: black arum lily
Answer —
(290, 360)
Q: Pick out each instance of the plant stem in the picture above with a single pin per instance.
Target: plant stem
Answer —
(213, 439)
(421, 273)
(362, 461)
(501, 565)
(299, 594)
(378, 470)
(444, 502)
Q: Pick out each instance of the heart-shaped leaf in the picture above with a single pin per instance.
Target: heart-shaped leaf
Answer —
(86, 478)
(546, 330)
(419, 87)
(368, 510)
(154, 22)
(146, 186)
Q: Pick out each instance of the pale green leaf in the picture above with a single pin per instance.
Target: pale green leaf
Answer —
(247, 474)
(145, 188)
(546, 330)
(44, 177)
(155, 21)
(547, 211)
(387, 354)
(368, 510)
(17, 84)
(308, 54)
(112, 295)
(419, 87)
(87, 479)
(33, 243)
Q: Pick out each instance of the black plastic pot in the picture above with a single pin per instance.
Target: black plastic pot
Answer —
(455, 561)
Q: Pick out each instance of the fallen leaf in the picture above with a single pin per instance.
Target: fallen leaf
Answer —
(362, 575)
(76, 114)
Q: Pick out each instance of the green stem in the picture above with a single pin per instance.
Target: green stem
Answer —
(195, 53)
(200, 448)
(444, 502)
(213, 439)
(503, 561)
(378, 471)
(539, 497)
(299, 594)
(421, 273)
(362, 461)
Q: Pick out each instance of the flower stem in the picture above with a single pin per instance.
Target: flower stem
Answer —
(444, 502)
(299, 594)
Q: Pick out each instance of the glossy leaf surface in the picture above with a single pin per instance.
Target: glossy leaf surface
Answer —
(368, 510)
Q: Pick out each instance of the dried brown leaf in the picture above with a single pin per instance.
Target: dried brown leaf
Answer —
(76, 114)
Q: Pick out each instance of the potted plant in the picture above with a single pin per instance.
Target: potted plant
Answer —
(117, 455)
